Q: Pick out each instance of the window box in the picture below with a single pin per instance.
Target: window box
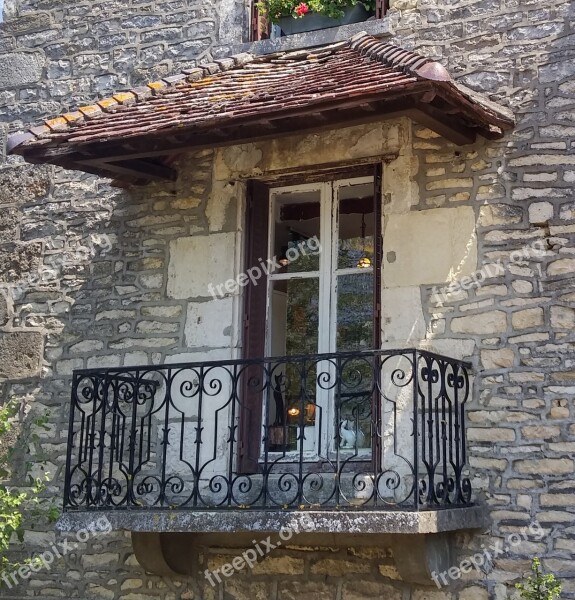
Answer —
(262, 27)
(314, 21)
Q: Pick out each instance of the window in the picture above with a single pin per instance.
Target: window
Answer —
(320, 296)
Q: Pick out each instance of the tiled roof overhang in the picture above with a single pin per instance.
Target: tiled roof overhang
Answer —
(244, 98)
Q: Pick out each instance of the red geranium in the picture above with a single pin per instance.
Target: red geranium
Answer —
(301, 9)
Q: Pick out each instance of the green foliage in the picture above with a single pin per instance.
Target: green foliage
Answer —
(539, 586)
(16, 504)
(276, 9)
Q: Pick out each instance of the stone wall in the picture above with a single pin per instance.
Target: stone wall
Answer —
(521, 318)
(86, 274)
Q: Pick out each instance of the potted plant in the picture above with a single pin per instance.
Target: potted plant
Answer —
(295, 16)
(540, 586)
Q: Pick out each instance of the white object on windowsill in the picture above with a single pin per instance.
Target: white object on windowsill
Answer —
(349, 437)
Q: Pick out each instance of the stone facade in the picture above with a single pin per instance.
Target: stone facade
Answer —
(91, 275)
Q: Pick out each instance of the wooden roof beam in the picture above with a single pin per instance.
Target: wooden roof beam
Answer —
(450, 127)
(143, 169)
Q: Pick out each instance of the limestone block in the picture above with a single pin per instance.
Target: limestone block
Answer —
(494, 321)
(495, 464)
(400, 190)
(100, 560)
(39, 538)
(339, 568)
(555, 516)
(522, 286)
(403, 4)
(20, 68)
(223, 203)
(200, 356)
(4, 311)
(497, 359)
(246, 590)
(318, 590)
(452, 347)
(499, 214)
(66, 367)
(137, 358)
(8, 224)
(567, 211)
(431, 595)
(279, 565)
(557, 500)
(562, 317)
(86, 346)
(561, 266)
(491, 434)
(524, 319)
(98, 592)
(20, 354)
(156, 327)
(491, 290)
(98, 362)
(364, 590)
(116, 314)
(198, 261)
(500, 592)
(540, 212)
(540, 432)
(442, 184)
(162, 311)
(209, 323)
(544, 466)
(474, 593)
(402, 316)
(429, 246)
(20, 262)
(132, 584)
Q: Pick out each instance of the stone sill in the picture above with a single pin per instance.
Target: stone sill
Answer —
(377, 27)
(311, 521)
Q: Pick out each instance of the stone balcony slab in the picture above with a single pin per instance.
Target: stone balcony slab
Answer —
(311, 521)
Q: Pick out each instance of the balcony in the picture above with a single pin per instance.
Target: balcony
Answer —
(370, 444)
(376, 430)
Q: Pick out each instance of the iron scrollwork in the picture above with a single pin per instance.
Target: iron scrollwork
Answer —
(371, 430)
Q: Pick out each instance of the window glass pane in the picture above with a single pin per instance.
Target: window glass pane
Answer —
(294, 330)
(296, 231)
(355, 312)
(295, 316)
(356, 226)
(292, 408)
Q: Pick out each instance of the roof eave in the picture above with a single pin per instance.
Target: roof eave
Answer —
(125, 158)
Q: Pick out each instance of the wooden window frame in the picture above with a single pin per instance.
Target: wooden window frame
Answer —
(254, 337)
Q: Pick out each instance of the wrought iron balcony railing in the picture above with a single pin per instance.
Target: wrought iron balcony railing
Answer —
(373, 430)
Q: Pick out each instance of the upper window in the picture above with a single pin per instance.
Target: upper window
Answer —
(278, 18)
(321, 298)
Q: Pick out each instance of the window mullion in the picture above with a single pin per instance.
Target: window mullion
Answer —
(325, 269)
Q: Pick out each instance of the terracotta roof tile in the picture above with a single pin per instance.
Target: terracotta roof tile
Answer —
(57, 124)
(125, 97)
(90, 111)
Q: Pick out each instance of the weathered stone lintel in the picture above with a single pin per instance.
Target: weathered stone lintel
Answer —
(309, 39)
